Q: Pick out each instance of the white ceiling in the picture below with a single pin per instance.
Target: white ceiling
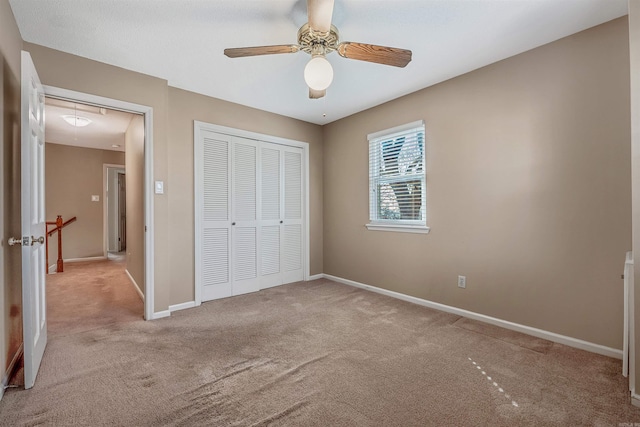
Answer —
(182, 41)
(107, 127)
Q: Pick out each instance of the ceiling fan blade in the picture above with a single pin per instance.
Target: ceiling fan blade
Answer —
(372, 53)
(239, 52)
(316, 94)
(319, 13)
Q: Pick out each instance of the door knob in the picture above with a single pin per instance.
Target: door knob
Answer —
(13, 241)
(38, 240)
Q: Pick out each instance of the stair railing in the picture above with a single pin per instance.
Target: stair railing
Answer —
(59, 225)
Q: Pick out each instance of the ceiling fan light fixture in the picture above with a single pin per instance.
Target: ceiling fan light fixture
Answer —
(77, 121)
(318, 73)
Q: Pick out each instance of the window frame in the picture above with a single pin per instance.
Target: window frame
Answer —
(395, 225)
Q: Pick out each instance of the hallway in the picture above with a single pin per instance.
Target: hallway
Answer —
(89, 295)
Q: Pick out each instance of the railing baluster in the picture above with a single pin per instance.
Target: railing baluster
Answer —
(60, 263)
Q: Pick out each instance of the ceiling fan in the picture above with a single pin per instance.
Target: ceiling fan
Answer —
(319, 38)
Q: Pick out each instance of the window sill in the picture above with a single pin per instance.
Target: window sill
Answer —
(399, 228)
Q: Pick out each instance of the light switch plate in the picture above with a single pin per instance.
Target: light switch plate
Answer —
(95, 198)
(159, 187)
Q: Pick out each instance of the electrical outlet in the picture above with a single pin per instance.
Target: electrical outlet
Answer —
(462, 281)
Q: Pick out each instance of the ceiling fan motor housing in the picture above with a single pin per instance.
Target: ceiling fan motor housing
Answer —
(317, 43)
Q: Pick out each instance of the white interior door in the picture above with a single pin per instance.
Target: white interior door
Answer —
(271, 215)
(213, 228)
(33, 221)
(292, 232)
(250, 214)
(244, 223)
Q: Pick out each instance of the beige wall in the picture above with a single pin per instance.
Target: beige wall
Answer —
(134, 170)
(173, 114)
(528, 181)
(10, 258)
(73, 175)
(185, 107)
(67, 71)
(528, 184)
(634, 60)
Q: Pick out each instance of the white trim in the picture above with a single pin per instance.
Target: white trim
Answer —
(376, 154)
(390, 133)
(85, 259)
(306, 245)
(539, 333)
(135, 284)
(197, 167)
(7, 375)
(627, 328)
(315, 277)
(399, 228)
(635, 400)
(52, 267)
(182, 306)
(160, 314)
(149, 249)
(105, 200)
(629, 283)
(249, 135)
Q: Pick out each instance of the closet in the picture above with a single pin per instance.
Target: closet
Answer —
(249, 214)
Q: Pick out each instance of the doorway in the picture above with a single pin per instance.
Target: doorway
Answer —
(81, 141)
(115, 216)
(144, 115)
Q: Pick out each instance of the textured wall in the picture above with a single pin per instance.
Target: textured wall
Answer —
(528, 190)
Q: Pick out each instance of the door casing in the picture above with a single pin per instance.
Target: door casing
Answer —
(147, 112)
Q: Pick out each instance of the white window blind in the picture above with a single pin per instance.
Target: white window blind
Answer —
(397, 178)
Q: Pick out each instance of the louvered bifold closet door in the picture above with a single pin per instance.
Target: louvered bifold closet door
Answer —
(244, 216)
(271, 215)
(215, 271)
(291, 247)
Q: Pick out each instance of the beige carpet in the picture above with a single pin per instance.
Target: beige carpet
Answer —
(316, 354)
(90, 295)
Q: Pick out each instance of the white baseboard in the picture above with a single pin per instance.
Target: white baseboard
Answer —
(182, 306)
(315, 277)
(85, 259)
(635, 399)
(160, 314)
(135, 285)
(53, 267)
(7, 375)
(551, 336)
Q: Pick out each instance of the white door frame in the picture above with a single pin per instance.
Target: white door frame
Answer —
(198, 168)
(105, 213)
(129, 107)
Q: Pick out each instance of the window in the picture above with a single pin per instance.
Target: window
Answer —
(397, 179)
